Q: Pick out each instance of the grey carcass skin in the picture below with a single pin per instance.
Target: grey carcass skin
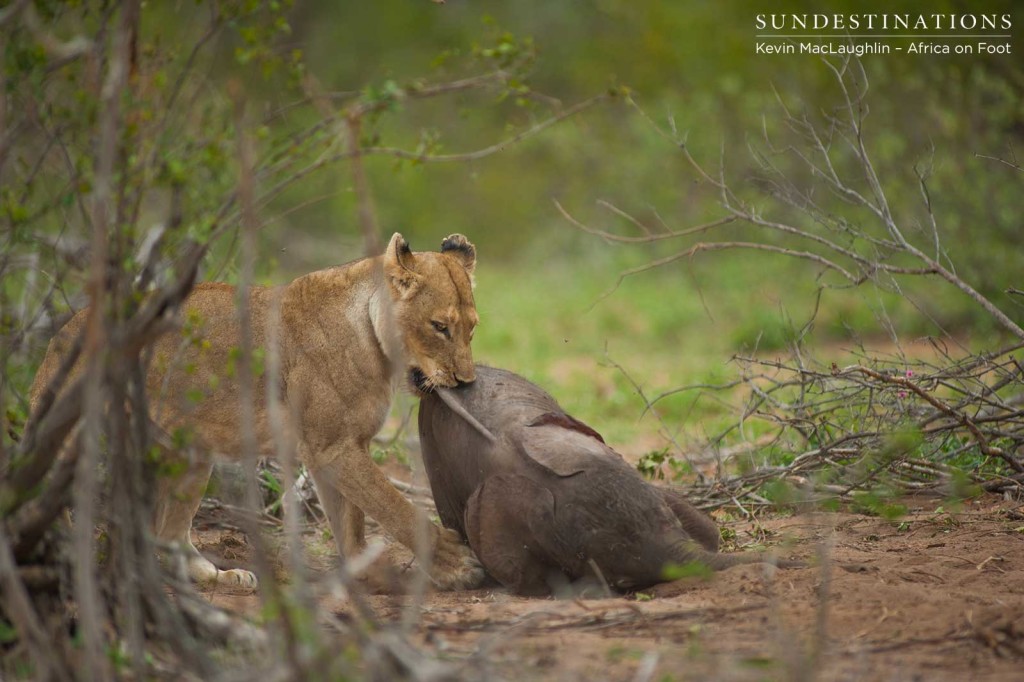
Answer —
(546, 502)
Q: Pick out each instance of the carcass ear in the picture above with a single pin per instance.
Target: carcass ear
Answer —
(457, 246)
(398, 267)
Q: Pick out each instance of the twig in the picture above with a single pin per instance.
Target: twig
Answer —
(19, 608)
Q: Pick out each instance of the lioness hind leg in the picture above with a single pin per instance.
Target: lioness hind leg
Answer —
(178, 498)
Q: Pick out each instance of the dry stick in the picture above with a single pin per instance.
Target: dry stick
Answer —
(1012, 164)
(819, 642)
(480, 657)
(247, 391)
(147, 163)
(17, 605)
(285, 445)
(492, 149)
(127, 520)
(62, 50)
(36, 441)
(6, 136)
(722, 246)
(11, 12)
(372, 245)
(645, 239)
(552, 621)
(223, 625)
(85, 488)
(30, 522)
(740, 211)
(982, 441)
(128, 510)
(164, 615)
(959, 420)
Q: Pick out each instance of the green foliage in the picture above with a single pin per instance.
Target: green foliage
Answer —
(273, 488)
(962, 486)
(764, 330)
(507, 52)
(653, 464)
(759, 662)
(691, 569)
(258, 26)
(257, 362)
(392, 452)
(880, 501)
(898, 444)
(781, 492)
(619, 653)
(8, 633)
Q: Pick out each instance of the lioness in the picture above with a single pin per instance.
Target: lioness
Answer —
(345, 337)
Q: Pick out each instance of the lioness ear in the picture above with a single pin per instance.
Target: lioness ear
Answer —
(461, 248)
(398, 264)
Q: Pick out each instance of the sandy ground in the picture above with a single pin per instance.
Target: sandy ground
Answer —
(938, 595)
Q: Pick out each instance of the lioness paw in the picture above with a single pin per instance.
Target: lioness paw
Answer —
(237, 577)
(455, 566)
(203, 572)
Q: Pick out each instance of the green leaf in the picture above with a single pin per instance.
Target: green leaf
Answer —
(691, 569)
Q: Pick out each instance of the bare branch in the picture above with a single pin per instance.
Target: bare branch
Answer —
(723, 246)
(372, 243)
(646, 238)
(424, 157)
(1012, 164)
(18, 607)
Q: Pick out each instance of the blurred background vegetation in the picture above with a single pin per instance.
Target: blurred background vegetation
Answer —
(691, 66)
(541, 281)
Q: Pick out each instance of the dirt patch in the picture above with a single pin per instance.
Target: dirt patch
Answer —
(938, 595)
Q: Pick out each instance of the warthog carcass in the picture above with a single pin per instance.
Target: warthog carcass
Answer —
(544, 502)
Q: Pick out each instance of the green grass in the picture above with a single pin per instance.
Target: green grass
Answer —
(553, 326)
(558, 326)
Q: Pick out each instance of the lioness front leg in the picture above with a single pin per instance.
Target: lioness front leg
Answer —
(349, 470)
(346, 519)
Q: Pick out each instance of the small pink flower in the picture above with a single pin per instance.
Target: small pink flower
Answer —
(910, 373)
(902, 394)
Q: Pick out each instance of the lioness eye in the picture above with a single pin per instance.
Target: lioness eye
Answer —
(441, 328)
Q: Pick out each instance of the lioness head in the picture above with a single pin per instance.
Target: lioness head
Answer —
(432, 297)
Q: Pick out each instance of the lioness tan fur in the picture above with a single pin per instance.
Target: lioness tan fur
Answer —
(346, 337)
